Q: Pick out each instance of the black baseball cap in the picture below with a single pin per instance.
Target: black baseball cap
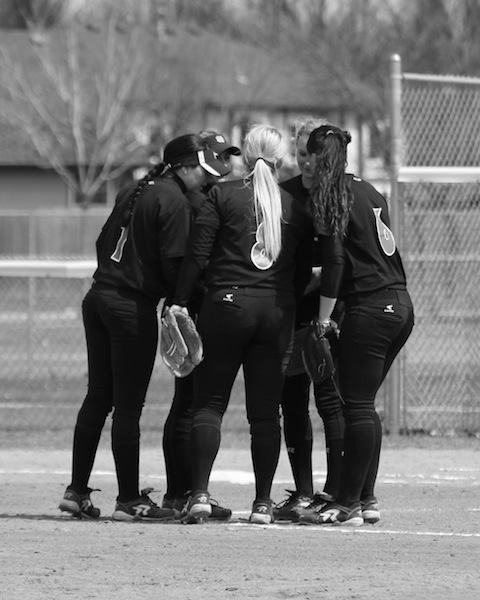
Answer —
(219, 144)
(207, 159)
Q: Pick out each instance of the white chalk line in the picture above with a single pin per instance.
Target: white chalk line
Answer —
(366, 529)
(240, 477)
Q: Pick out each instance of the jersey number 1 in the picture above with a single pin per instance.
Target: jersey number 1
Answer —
(117, 255)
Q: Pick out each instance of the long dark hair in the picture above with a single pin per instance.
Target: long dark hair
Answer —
(179, 152)
(331, 194)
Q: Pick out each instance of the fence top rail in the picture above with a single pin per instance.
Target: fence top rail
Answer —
(439, 174)
(47, 268)
(442, 78)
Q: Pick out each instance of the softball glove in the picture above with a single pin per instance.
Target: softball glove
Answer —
(180, 344)
(317, 352)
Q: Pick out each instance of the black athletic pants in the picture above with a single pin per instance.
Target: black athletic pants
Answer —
(254, 328)
(374, 330)
(121, 331)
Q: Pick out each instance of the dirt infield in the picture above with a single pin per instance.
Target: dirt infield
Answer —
(427, 545)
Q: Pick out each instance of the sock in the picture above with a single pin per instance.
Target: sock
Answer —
(334, 467)
(265, 448)
(300, 457)
(368, 491)
(85, 444)
(359, 445)
(126, 452)
(206, 437)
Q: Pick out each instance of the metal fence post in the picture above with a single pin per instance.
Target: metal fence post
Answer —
(394, 382)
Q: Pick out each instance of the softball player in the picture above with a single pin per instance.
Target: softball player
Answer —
(177, 429)
(362, 266)
(297, 425)
(255, 241)
(139, 252)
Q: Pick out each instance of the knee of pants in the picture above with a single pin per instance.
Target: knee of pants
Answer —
(183, 427)
(207, 418)
(358, 415)
(264, 427)
(93, 413)
(126, 425)
(127, 412)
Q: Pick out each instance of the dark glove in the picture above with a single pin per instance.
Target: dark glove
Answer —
(317, 351)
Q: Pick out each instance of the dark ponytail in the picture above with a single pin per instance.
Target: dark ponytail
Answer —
(331, 194)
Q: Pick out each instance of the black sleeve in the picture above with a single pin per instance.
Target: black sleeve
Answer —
(170, 271)
(303, 271)
(200, 246)
(333, 265)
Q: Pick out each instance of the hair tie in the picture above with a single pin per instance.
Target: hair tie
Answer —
(165, 167)
(267, 162)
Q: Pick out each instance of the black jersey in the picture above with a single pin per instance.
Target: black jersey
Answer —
(367, 259)
(224, 243)
(133, 257)
(307, 308)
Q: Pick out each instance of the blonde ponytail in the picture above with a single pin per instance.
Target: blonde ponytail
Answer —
(263, 151)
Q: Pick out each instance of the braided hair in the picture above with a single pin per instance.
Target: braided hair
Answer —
(331, 194)
(177, 153)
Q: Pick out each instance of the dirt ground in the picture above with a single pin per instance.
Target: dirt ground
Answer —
(427, 545)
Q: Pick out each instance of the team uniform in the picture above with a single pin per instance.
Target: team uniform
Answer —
(176, 433)
(295, 401)
(178, 425)
(365, 271)
(138, 256)
(247, 319)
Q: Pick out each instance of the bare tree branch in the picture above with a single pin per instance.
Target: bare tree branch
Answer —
(78, 104)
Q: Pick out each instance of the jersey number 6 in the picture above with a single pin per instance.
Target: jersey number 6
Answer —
(385, 235)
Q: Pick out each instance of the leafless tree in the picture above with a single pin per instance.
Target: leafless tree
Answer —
(77, 96)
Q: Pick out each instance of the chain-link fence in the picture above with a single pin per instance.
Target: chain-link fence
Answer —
(43, 363)
(438, 198)
(435, 205)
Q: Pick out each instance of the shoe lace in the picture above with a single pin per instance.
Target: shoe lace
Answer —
(290, 499)
(320, 499)
(145, 498)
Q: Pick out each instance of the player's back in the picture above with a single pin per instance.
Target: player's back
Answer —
(372, 258)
